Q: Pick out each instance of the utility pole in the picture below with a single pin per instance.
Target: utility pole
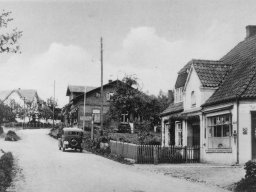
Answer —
(101, 88)
(53, 106)
(84, 107)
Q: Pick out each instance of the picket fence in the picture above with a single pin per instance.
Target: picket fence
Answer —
(149, 154)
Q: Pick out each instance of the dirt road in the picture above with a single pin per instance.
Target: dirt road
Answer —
(46, 169)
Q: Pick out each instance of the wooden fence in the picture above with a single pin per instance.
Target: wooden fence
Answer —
(155, 153)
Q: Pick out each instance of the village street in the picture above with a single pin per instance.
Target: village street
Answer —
(44, 168)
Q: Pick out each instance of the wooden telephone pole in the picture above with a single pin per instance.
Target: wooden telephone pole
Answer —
(101, 88)
(53, 106)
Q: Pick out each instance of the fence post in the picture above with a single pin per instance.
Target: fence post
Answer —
(155, 155)
(185, 150)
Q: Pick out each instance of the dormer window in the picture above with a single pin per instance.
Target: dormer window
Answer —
(178, 95)
(193, 99)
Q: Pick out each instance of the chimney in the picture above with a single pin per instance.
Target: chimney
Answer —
(250, 31)
(170, 96)
(110, 81)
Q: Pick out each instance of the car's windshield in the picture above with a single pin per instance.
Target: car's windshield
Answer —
(73, 133)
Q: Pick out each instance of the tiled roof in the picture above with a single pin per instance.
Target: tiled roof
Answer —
(210, 73)
(250, 91)
(181, 80)
(173, 108)
(240, 81)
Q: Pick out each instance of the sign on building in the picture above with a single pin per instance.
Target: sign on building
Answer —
(86, 118)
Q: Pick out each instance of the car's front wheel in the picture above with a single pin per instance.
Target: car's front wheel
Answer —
(81, 150)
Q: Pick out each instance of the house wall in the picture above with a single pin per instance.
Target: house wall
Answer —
(223, 156)
(193, 84)
(245, 140)
(16, 97)
(206, 93)
(93, 101)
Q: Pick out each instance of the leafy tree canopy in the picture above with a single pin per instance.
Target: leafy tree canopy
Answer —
(8, 37)
(129, 99)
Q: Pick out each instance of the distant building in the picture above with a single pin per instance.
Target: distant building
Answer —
(74, 113)
(25, 103)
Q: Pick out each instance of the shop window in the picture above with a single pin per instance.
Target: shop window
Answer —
(219, 131)
(96, 115)
(193, 99)
(179, 131)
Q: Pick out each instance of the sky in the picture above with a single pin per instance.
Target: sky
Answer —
(152, 39)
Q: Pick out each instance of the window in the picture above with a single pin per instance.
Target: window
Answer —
(109, 96)
(193, 99)
(178, 97)
(179, 131)
(96, 114)
(124, 118)
(97, 95)
(219, 131)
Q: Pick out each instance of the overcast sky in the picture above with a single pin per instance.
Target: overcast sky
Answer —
(152, 39)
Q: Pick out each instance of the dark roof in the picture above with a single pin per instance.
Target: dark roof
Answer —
(240, 81)
(181, 80)
(112, 83)
(186, 67)
(173, 108)
(78, 89)
(210, 73)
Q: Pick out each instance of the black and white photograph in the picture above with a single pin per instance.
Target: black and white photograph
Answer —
(127, 96)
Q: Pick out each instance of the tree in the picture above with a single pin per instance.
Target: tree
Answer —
(8, 37)
(129, 99)
(45, 112)
(53, 103)
(6, 113)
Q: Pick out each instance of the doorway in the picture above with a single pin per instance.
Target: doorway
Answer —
(253, 134)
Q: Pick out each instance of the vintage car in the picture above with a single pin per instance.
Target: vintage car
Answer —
(71, 138)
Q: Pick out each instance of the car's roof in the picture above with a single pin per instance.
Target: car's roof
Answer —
(72, 129)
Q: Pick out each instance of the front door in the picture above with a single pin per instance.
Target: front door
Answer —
(253, 134)
(196, 135)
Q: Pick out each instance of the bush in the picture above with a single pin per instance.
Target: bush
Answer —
(11, 136)
(6, 167)
(249, 182)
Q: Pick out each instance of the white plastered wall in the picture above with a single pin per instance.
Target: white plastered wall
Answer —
(245, 140)
(218, 156)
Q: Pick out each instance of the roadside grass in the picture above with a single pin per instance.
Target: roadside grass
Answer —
(6, 171)
(135, 138)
